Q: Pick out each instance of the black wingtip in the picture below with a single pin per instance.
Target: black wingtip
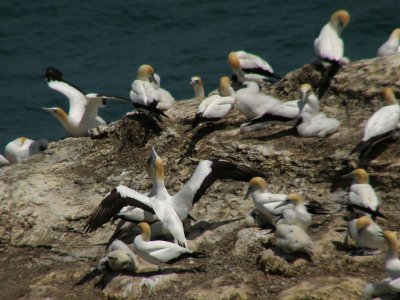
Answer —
(52, 73)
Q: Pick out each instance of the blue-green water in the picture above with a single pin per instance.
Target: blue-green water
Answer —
(98, 45)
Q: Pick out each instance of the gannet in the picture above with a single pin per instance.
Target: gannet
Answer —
(83, 108)
(157, 252)
(147, 96)
(328, 46)
(362, 196)
(381, 124)
(365, 233)
(250, 67)
(392, 263)
(181, 203)
(216, 107)
(198, 87)
(22, 148)
(118, 258)
(392, 45)
(293, 238)
(295, 212)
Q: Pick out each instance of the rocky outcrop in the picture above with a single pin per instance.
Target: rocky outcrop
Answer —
(45, 201)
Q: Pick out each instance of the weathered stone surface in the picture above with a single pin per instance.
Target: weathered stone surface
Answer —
(45, 201)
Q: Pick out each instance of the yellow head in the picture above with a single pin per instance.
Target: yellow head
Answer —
(233, 61)
(145, 230)
(391, 238)
(360, 175)
(395, 34)
(224, 86)
(256, 183)
(295, 198)
(306, 89)
(145, 73)
(340, 19)
(22, 140)
(196, 80)
(57, 112)
(363, 222)
(388, 96)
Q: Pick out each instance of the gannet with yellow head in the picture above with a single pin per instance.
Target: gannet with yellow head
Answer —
(22, 148)
(392, 45)
(295, 212)
(381, 125)
(217, 106)
(198, 87)
(328, 46)
(366, 234)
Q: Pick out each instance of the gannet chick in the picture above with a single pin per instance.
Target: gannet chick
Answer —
(379, 289)
(380, 125)
(392, 45)
(250, 67)
(295, 212)
(198, 87)
(293, 238)
(366, 234)
(328, 46)
(3, 161)
(215, 107)
(147, 96)
(157, 252)
(362, 196)
(22, 148)
(118, 258)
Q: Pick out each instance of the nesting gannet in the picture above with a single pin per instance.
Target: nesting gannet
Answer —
(293, 238)
(362, 196)
(217, 106)
(198, 87)
(147, 96)
(182, 202)
(250, 67)
(21, 148)
(392, 45)
(118, 258)
(83, 108)
(381, 124)
(157, 252)
(328, 46)
(295, 212)
(366, 234)
(392, 263)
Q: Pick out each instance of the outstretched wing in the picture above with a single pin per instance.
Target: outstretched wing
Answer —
(118, 198)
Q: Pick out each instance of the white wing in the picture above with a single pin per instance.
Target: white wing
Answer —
(382, 121)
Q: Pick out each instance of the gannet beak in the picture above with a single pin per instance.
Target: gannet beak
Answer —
(49, 110)
(286, 202)
(349, 175)
(192, 82)
(153, 79)
(248, 192)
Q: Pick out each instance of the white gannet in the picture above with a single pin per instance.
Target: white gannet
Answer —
(22, 148)
(328, 46)
(118, 258)
(293, 238)
(158, 252)
(362, 196)
(198, 87)
(83, 108)
(366, 234)
(392, 262)
(147, 96)
(216, 107)
(250, 67)
(381, 124)
(392, 45)
(181, 203)
(295, 212)
(3, 161)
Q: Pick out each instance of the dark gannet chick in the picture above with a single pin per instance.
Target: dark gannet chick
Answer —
(366, 234)
(328, 46)
(22, 148)
(215, 107)
(362, 197)
(392, 45)
(295, 212)
(293, 238)
(146, 95)
(250, 67)
(198, 87)
(159, 252)
(381, 125)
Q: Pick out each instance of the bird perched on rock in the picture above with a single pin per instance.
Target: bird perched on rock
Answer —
(22, 148)
(392, 45)
(198, 87)
(366, 234)
(293, 238)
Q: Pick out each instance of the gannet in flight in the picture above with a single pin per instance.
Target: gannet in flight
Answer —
(392, 45)
(366, 234)
(362, 196)
(22, 148)
(250, 67)
(217, 106)
(328, 46)
(381, 124)
(83, 108)
(181, 203)
(198, 87)
(147, 96)
(158, 252)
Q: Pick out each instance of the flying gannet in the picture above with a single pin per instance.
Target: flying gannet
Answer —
(83, 108)
(22, 148)
(147, 96)
(380, 125)
(158, 252)
(250, 67)
(328, 46)
(181, 203)
(217, 106)
(392, 45)
(366, 234)
(198, 87)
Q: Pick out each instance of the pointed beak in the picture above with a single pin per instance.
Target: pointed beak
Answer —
(153, 157)
(192, 82)
(349, 175)
(49, 110)
(248, 192)
(283, 203)
(153, 79)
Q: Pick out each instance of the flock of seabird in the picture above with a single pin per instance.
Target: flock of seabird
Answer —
(157, 214)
